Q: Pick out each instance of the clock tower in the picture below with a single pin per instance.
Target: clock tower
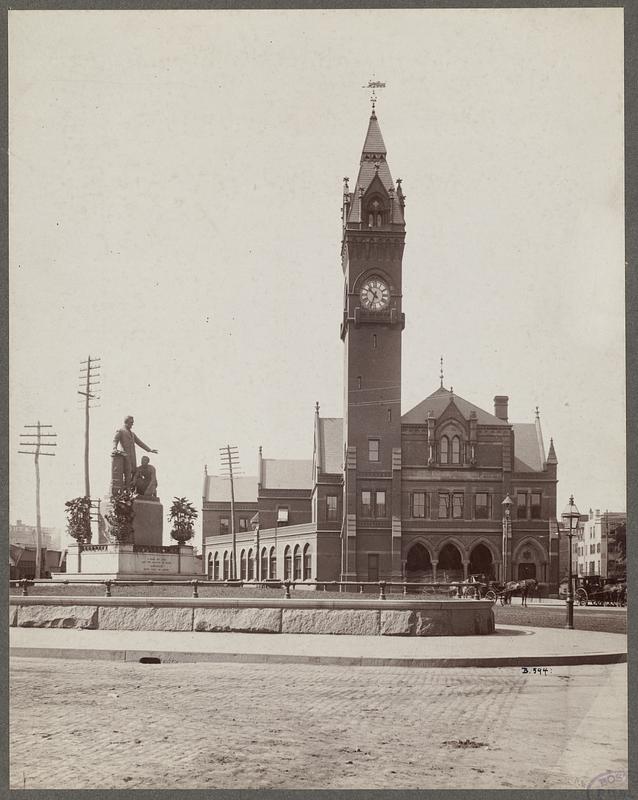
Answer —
(372, 254)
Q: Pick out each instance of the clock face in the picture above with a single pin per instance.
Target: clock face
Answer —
(375, 295)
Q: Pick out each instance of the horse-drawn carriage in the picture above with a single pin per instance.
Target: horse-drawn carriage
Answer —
(478, 588)
(596, 591)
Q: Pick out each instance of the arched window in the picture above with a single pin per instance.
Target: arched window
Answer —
(307, 563)
(297, 574)
(287, 564)
(444, 454)
(216, 567)
(375, 214)
(264, 564)
(272, 572)
(456, 450)
(226, 566)
(242, 565)
(209, 569)
(251, 565)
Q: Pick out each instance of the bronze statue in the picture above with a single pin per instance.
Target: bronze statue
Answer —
(145, 479)
(124, 443)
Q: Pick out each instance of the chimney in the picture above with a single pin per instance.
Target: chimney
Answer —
(500, 406)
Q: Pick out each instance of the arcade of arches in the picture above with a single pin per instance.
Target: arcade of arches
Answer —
(449, 566)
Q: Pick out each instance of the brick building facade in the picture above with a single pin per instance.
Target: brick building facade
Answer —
(440, 492)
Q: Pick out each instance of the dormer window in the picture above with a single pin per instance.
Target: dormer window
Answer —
(444, 450)
(456, 450)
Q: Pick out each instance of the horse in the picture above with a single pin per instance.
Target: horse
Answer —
(526, 587)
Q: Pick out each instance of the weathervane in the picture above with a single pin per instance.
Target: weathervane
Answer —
(374, 85)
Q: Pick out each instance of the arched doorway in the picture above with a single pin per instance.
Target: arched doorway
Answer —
(530, 560)
(481, 562)
(418, 565)
(450, 567)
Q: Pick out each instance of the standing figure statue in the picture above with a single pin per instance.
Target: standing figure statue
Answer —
(145, 479)
(124, 443)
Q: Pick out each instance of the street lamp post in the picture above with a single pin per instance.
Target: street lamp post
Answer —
(570, 517)
(507, 522)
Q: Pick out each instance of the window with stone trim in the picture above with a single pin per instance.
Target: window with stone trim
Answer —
(251, 565)
(243, 523)
(264, 564)
(418, 502)
(535, 505)
(307, 563)
(287, 563)
(457, 505)
(272, 566)
(242, 565)
(444, 448)
(521, 505)
(373, 504)
(224, 525)
(216, 567)
(444, 505)
(482, 505)
(331, 507)
(297, 563)
(373, 449)
(456, 450)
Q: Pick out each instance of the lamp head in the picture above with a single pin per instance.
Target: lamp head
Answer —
(571, 515)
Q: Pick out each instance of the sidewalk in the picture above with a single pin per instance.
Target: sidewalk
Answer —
(509, 646)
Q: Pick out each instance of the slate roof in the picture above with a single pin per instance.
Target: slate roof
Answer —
(217, 489)
(439, 400)
(373, 154)
(330, 445)
(280, 473)
(527, 450)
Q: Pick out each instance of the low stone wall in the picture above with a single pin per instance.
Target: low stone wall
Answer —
(250, 615)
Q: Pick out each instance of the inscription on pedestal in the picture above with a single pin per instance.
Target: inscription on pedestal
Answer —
(154, 562)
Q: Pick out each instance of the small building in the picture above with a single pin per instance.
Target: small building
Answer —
(600, 549)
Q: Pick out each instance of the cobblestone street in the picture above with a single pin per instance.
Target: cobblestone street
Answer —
(99, 724)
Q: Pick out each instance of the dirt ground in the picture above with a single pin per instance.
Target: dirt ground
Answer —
(107, 725)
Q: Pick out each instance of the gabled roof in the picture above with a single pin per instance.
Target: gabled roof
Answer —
(280, 473)
(439, 400)
(528, 456)
(217, 489)
(330, 456)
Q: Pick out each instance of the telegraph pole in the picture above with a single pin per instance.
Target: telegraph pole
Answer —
(230, 468)
(27, 440)
(88, 373)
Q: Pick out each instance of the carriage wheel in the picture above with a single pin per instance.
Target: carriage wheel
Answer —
(490, 594)
(471, 593)
(581, 597)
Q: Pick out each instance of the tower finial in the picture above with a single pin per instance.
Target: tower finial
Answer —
(372, 84)
(441, 376)
(317, 407)
(538, 415)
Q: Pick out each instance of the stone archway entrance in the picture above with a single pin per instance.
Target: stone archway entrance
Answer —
(450, 566)
(481, 562)
(418, 566)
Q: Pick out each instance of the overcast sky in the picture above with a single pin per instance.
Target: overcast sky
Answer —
(175, 190)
